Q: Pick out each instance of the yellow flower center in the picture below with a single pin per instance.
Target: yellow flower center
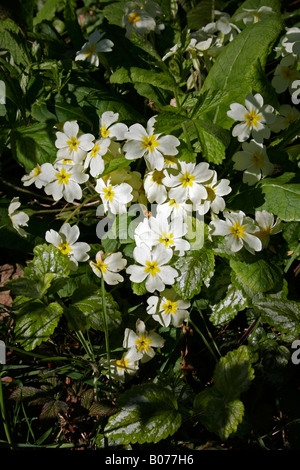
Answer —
(104, 131)
(172, 202)
(63, 176)
(238, 230)
(90, 49)
(170, 307)
(109, 193)
(73, 144)
(143, 343)
(37, 171)
(210, 193)
(258, 159)
(187, 179)
(149, 143)
(157, 177)
(288, 73)
(95, 150)
(252, 118)
(169, 159)
(133, 17)
(152, 268)
(166, 238)
(122, 363)
(64, 248)
(67, 161)
(290, 118)
(101, 266)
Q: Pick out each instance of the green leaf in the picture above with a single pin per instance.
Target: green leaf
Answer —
(260, 275)
(213, 140)
(234, 64)
(47, 259)
(233, 373)
(227, 309)
(282, 199)
(218, 406)
(72, 25)
(35, 322)
(47, 12)
(218, 415)
(195, 268)
(283, 315)
(13, 40)
(115, 164)
(33, 288)
(88, 300)
(138, 75)
(149, 413)
(33, 144)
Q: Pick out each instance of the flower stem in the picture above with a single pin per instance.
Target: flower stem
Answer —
(104, 311)
(3, 414)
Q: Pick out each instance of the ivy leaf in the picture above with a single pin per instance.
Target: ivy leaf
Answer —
(149, 413)
(195, 268)
(35, 322)
(88, 300)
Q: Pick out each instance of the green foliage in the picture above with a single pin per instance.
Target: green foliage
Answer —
(149, 413)
(219, 407)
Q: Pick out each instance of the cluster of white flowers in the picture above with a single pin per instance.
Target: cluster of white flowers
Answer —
(178, 188)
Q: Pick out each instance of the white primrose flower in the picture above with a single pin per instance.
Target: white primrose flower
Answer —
(267, 226)
(142, 341)
(254, 161)
(154, 269)
(108, 266)
(215, 192)
(144, 143)
(254, 15)
(170, 235)
(291, 41)
(172, 51)
(285, 73)
(287, 115)
(18, 218)
(128, 364)
(254, 117)
(71, 144)
(94, 158)
(66, 241)
(114, 197)
(168, 308)
(109, 128)
(174, 210)
(93, 46)
(238, 230)
(154, 188)
(189, 182)
(63, 181)
(36, 176)
(141, 18)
